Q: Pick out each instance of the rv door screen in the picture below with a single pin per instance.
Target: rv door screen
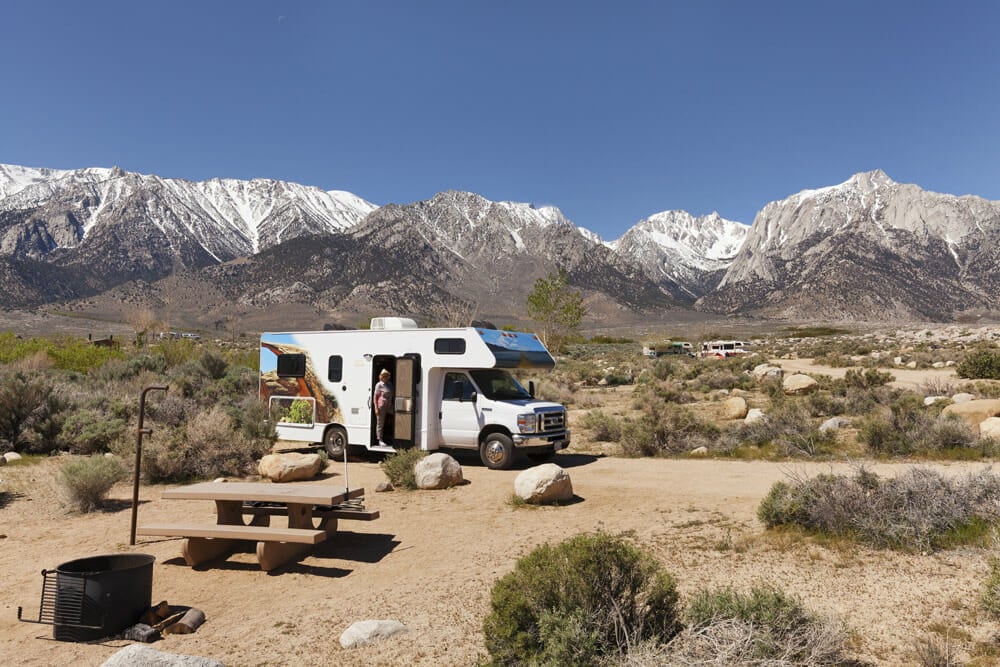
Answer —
(405, 399)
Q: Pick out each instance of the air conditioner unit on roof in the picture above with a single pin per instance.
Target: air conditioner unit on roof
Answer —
(387, 323)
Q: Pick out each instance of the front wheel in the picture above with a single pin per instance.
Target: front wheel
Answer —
(335, 442)
(497, 451)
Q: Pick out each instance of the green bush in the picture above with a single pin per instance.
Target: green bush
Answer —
(29, 412)
(578, 602)
(909, 428)
(91, 432)
(989, 599)
(789, 430)
(602, 426)
(87, 481)
(980, 365)
(398, 467)
(213, 365)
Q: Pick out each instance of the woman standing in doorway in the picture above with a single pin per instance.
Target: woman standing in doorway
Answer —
(383, 400)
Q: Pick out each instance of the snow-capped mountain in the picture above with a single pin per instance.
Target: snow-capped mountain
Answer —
(869, 248)
(679, 248)
(46, 210)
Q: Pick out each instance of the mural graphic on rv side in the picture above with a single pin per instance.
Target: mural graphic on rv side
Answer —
(327, 410)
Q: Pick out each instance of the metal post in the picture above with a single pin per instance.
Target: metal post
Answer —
(138, 454)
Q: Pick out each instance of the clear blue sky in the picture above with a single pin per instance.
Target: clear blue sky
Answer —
(611, 111)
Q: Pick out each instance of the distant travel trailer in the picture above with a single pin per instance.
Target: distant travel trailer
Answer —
(669, 347)
(723, 348)
(453, 390)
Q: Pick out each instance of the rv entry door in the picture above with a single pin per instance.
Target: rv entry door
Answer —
(407, 374)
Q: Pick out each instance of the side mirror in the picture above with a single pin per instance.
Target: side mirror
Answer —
(473, 396)
(531, 388)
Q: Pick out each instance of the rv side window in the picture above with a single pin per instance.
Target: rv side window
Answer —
(335, 369)
(449, 346)
(292, 365)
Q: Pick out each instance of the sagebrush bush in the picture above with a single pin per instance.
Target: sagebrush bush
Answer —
(87, 481)
(602, 426)
(665, 429)
(398, 467)
(788, 429)
(980, 365)
(762, 626)
(91, 432)
(579, 602)
(909, 427)
(919, 510)
(29, 412)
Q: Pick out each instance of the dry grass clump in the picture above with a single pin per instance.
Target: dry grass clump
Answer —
(87, 481)
(920, 510)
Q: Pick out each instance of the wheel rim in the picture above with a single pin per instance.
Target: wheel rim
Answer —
(494, 451)
(335, 441)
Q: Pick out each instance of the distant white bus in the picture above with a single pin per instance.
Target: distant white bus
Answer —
(723, 348)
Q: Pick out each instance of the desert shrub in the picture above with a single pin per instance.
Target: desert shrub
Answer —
(763, 626)
(213, 365)
(27, 402)
(398, 467)
(575, 603)
(178, 351)
(558, 393)
(210, 445)
(910, 428)
(664, 369)
(87, 481)
(602, 426)
(983, 389)
(170, 410)
(91, 431)
(665, 429)
(980, 365)
(918, 510)
(989, 598)
(788, 429)
(825, 404)
(239, 380)
(866, 379)
(250, 420)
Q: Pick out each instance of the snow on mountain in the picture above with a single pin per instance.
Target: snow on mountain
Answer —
(683, 248)
(228, 218)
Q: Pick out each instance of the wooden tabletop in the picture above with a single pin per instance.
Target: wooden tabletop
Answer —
(308, 494)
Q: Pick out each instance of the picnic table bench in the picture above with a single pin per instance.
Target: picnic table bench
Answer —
(276, 545)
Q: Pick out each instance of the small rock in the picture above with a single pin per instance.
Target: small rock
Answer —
(383, 487)
(754, 415)
(931, 400)
(547, 483)
(734, 408)
(12, 456)
(437, 471)
(369, 632)
(962, 398)
(799, 383)
(834, 424)
(700, 451)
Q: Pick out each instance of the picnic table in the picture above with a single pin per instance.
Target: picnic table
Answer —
(303, 504)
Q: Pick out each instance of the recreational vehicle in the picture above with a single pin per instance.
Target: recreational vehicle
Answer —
(655, 350)
(453, 389)
(723, 348)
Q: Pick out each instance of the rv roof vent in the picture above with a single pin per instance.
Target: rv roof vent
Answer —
(385, 323)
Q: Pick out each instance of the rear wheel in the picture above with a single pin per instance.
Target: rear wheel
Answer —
(497, 451)
(335, 442)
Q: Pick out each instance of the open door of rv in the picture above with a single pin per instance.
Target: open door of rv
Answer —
(407, 376)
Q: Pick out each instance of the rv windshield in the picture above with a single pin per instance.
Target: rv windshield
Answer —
(498, 385)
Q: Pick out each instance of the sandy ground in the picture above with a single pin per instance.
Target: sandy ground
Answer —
(432, 557)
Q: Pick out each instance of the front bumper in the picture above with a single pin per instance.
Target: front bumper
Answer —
(555, 441)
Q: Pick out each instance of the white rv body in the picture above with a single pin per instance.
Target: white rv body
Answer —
(452, 389)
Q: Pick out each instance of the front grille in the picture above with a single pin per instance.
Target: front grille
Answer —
(551, 421)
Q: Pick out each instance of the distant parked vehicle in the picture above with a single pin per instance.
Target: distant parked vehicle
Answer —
(655, 350)
(720, 349)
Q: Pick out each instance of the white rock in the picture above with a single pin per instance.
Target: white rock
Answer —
(138, 654)
(833, 424)
(911, 364)
(437, 471)
(369, 632)
(799, 383)
(547, 483)
(700, 451)
(937, 364)
(962, 398)
(754, 415)
(12, 456)
(931, 400)
(990, 428)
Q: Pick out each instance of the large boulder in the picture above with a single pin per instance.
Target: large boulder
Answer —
(990, 428)
(369, 632)
(974, 412)
(437, 471)
(544, 484)
(290, 466)
(734, 408)
(799, 383)
(765, 371)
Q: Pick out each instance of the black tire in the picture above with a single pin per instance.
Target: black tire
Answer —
(542, 456)
(335, 442)
(497, 451)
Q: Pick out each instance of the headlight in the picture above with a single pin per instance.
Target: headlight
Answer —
(526, 422)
